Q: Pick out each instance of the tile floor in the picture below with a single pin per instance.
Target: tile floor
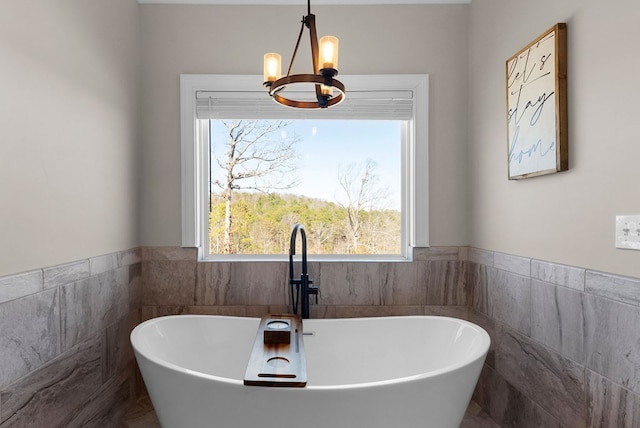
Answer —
(141, 415)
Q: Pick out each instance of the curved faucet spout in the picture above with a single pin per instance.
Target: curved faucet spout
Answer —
(292, 248)
(303, 286)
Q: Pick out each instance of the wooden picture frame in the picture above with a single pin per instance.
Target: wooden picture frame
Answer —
(537, 106)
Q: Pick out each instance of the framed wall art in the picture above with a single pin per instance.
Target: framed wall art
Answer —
(537, 106)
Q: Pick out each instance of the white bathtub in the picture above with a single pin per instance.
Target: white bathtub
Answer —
(391, 372)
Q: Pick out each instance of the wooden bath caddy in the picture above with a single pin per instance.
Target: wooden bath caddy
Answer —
(278, 358)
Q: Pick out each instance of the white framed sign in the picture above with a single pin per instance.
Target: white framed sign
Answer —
(537, 106)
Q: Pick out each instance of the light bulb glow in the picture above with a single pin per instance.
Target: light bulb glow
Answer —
(272, 67)
(328, 52)
(326, 90)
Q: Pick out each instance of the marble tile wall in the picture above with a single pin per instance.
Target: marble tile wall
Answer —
(566, 343)
(434, 283)
(65, 357)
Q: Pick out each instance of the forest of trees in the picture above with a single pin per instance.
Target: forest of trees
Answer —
(250, 213)
(262, 224)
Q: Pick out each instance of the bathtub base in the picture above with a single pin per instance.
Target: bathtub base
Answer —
(411, 405)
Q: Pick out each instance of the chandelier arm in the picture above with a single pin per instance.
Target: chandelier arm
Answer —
(313, 36)
(295, 50)
(323, 102)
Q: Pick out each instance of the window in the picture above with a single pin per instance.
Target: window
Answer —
(395, 104)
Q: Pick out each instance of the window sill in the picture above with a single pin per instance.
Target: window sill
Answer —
(312, 258)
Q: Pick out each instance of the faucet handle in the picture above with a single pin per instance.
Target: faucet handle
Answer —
(315, 290)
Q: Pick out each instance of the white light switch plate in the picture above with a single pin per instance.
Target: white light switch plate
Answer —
(628, 232)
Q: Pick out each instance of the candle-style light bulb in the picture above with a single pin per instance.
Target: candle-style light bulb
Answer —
(272, 67)
(328, 53)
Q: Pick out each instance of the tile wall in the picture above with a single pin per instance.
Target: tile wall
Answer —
(434, 283)
(565, 343)
(65, 358)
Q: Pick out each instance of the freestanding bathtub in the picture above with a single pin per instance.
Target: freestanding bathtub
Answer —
(390, 372)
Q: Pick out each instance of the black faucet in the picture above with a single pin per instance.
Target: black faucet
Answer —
(304, 285)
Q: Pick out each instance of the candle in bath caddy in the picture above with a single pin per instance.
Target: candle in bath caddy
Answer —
(277, 332)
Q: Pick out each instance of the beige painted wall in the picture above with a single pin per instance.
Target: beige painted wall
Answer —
(69, 138)
(373, 40)
(567, 217)
(69, 172)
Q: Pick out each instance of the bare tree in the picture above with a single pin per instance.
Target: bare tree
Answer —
(361, 186)
(258, 156)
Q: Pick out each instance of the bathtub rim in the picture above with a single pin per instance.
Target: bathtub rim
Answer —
(478, 355)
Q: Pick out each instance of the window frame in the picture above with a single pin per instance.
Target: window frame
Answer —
(195, 158)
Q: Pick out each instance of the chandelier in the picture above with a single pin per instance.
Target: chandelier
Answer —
(328, 91)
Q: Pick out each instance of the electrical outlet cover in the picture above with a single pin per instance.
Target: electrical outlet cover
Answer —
(628, 232)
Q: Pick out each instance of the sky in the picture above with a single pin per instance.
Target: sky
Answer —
(327, 145)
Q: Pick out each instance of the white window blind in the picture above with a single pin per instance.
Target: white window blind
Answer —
(364, 105)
